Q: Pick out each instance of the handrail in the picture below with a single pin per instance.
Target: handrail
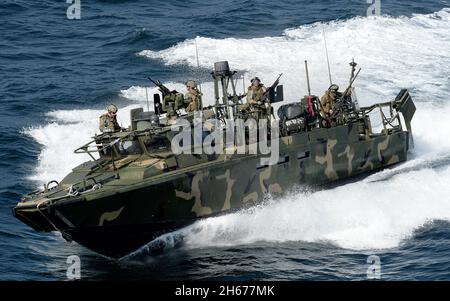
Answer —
(375, 106)
(384, 119)
(85, 148)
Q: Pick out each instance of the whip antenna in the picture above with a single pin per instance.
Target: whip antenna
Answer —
(326, 51)
(198, 71)
(198, 64)
(309, 98)
(146, 95)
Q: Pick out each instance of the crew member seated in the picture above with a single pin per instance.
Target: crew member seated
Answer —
(108, 121)
(256, 93)
(256, 100)
(193, 97)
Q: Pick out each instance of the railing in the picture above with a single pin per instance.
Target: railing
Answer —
(385, 120)
(88, 148)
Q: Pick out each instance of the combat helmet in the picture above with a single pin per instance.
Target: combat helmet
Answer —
(333, 88)
(255, 79)
(112, 108)
(191, 84)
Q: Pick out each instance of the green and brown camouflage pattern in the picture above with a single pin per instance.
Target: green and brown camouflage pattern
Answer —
(113, 206)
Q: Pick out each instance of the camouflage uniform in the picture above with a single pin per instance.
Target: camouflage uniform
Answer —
(327, 102)
(255, 95)
(109, 123)
(256, 98)
(329, 99)
(193, 97)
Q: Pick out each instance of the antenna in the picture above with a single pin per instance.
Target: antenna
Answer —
(307, 78)
(326, 51)
(309, 98)
(198, 69)
(353, 65)
(146, 95)
(198, 64)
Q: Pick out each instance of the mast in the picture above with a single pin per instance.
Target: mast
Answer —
(222, 77)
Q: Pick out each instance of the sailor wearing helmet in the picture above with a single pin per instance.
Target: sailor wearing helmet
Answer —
(108, 121)
(329, 99)
(256, 92)
(193, 97)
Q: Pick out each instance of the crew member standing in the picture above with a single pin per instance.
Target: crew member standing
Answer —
(108, 121)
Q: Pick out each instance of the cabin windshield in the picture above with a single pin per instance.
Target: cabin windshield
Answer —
(129, 147)
(157, 144)
(106, 152)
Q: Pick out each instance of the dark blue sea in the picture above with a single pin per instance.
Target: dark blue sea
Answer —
(58, 74)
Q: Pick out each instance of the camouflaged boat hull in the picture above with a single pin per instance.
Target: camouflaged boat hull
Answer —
(122, 220)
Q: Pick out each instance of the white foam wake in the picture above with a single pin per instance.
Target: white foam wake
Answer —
(394, 53)
(351, 216)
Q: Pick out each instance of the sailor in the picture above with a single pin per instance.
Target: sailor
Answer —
(108, 121)
(329, 99)
(256, 92)
(193, 97)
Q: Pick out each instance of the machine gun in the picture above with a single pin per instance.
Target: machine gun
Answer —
(276, 82)
(163, 89)
(236, 98)
(272, 94)
(352, 80)
(275, 93)
(171, 100)
(344, 103)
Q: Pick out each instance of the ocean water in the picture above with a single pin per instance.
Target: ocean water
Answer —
(57, 75)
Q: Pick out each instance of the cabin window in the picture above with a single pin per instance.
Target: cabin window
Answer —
(157, 144)
(129, 147)
(106, 152)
